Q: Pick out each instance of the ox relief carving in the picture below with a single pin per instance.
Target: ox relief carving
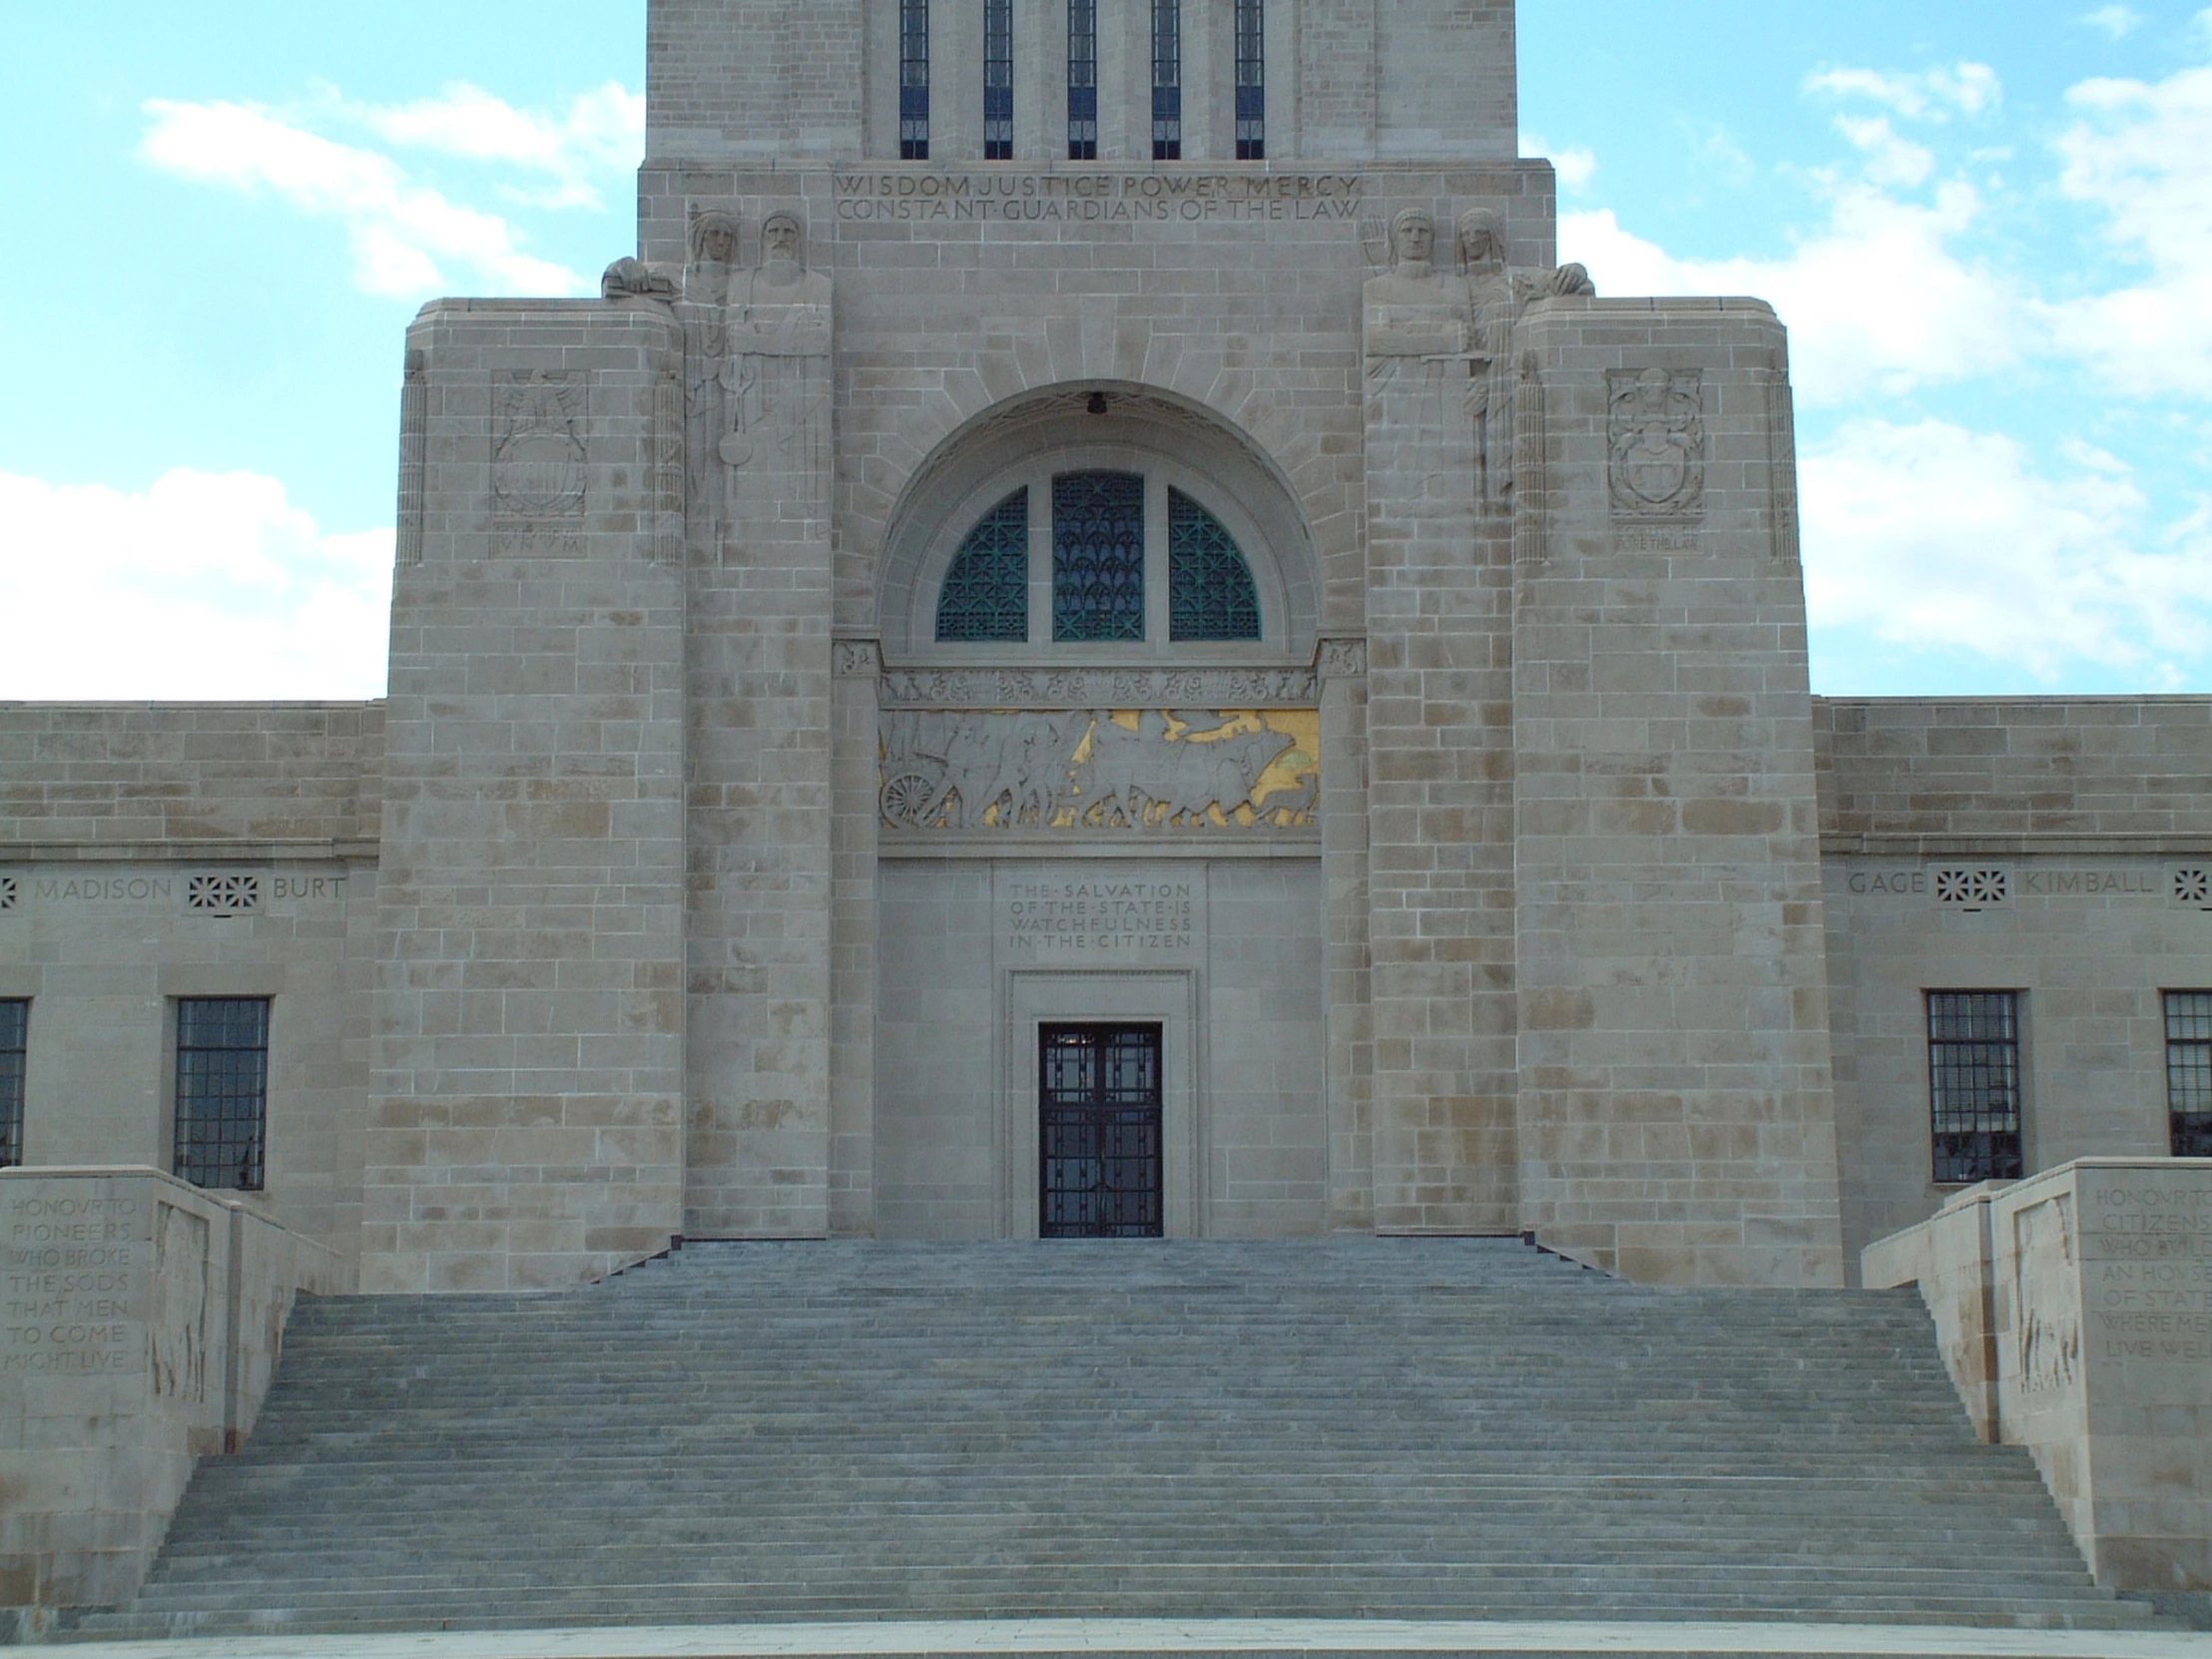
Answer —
(1655, 438)
(179, 1333)
(538, 477)
(1116, 771)
(2047, 1297)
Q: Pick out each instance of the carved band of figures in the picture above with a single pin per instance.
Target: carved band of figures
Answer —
(1100, 769)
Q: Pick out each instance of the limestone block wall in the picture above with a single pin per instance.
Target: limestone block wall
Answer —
(755, 78)
(527, 1128)
(2048, 848)
(1676, 1116)
(121, 776)
(2097, 1277)
(143, 1321)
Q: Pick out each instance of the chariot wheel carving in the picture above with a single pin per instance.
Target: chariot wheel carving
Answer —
(909, 799)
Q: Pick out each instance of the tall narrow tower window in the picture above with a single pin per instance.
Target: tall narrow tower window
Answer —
(1167, 80)
(1252, 81)
(998, 80)
(1082, 80)
(914, 80)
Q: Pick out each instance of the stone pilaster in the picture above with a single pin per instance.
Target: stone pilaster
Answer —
(1676, 1113)
(525, 1128)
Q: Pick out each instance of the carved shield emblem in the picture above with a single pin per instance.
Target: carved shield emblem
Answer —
(538, 460)
(1656, 433)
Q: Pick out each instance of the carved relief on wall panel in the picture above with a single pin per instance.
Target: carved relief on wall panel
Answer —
(775, 380)
(2047, 1307)
(1782, 478)
(415, 437)
(539, 477)
(1656, 442)
(1123, 771)
(178, 1336)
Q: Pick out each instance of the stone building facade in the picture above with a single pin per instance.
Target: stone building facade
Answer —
(1019, 564)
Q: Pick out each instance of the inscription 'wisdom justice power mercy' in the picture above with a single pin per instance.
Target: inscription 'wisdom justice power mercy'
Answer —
(917, 197)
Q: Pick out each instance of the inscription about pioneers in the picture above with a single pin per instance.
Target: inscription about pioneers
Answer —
(914, 197)
(1106, 917)
(66, 1265)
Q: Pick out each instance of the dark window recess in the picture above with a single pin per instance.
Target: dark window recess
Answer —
(221, 1091)
(1167, 80)
(914, 80)
(1099, 1132)
(1252, 81)
(15, 1031)
(1210, 591)
(1973, 1070)
(986, 592)
(998, 80)
(1082, 80)
(1097, 556)
(2189, 1071)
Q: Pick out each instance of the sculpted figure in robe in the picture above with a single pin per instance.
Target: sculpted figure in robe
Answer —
(713, 242)
(1416, 330)
(778, 323)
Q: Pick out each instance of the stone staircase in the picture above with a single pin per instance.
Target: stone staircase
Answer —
(1402, 1429)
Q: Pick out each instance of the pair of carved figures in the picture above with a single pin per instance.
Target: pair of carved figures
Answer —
(1440, 344)
(756, 342)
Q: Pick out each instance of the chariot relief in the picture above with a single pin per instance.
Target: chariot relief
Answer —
(1118, 771)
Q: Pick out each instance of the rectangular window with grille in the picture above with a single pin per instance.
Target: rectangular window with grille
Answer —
(998, 80)
(1973, 1071)
(1252, 81)
(15, 1034)
(1167, 80)
(2189, 1071)
(914, 80)
(1082, 80)
(221, 1091)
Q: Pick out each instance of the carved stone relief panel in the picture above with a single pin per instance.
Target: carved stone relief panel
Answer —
(2046, 1309)
(179, 1331)
(538, 470)
(1656, 442)
(1121, 771)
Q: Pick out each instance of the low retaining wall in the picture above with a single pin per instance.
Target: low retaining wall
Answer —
(2074, 1311)
(142, 1322)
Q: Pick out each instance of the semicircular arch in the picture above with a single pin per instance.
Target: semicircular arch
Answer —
(1030, 439)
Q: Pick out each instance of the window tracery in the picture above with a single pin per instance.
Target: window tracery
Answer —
(1211, 594)
(986, 592)
(1097, 556)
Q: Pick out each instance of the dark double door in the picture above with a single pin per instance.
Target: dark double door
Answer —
(1099, 1136)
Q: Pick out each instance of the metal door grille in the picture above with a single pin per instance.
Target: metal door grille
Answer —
(1099, 1138)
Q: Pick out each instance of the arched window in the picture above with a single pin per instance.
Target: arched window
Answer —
(1122, 558)
(986, 592)
(1211, 595)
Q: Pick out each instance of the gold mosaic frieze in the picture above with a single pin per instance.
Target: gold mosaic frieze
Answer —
(1122, 771)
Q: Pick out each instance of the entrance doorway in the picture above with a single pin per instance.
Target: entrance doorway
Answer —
(1100, 1132)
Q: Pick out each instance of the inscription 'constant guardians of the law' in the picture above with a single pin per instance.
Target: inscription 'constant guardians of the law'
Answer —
(1283, 199)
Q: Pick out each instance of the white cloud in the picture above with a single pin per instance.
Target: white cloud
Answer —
(1891, 160)
(1935, 94)
(405, 234)
(2117, 21)
(601, 135)
(205, 586)
(2137, 154)
(1575, 164)
(1878, 302)
(1933, 536)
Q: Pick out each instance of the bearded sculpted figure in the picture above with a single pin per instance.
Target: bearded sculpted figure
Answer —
(778, 323)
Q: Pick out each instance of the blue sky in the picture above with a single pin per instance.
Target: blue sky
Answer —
(1989, 227)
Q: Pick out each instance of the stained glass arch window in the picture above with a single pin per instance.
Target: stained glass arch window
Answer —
(986, 592)
(1211, 594)
(1098, 557)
